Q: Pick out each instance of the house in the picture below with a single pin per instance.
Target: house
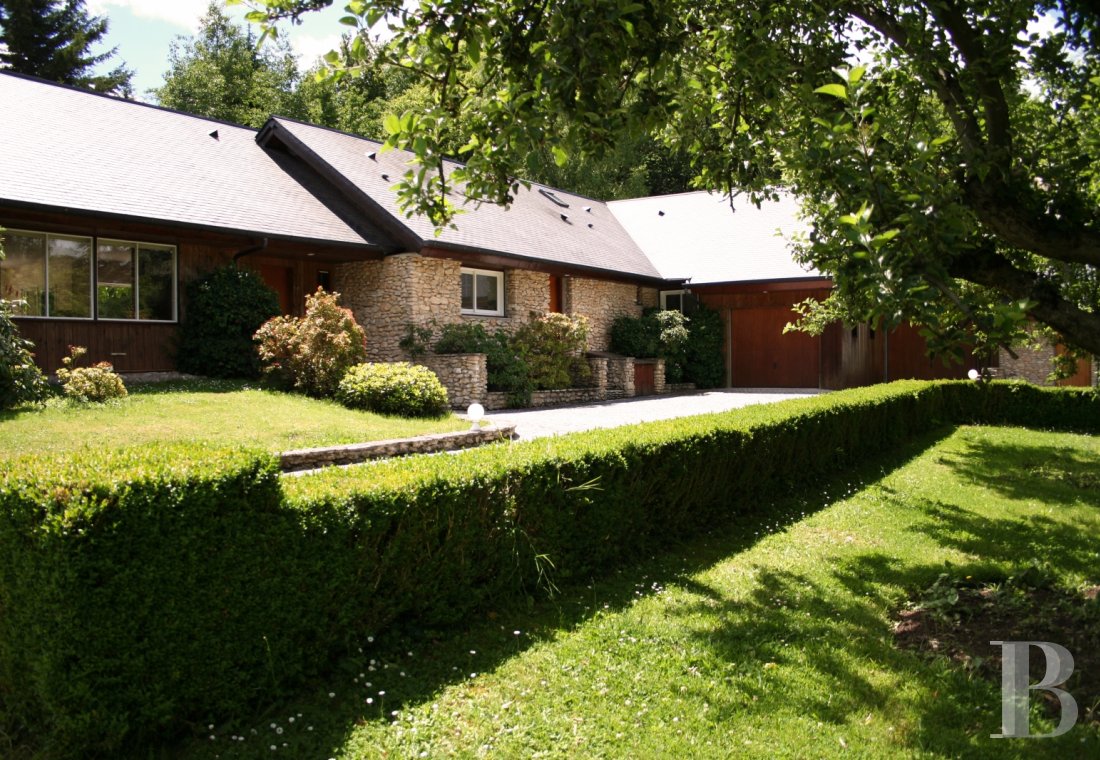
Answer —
(111, 206)
(740, 264)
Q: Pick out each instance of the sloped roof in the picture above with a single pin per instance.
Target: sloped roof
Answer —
(697, 236)
(531, 228)
(77, 150)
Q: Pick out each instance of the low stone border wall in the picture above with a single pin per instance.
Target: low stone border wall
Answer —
(679, 387)
(498, 400)
(463, 375)
(310, 459)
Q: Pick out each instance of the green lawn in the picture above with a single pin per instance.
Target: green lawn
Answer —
(772, 637)
(216, 411)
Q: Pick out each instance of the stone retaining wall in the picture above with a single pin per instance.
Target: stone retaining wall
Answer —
(464, 375)
(499, 400)
(620, 375)
(310, 459)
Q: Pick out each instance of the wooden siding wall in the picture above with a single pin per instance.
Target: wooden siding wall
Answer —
(759, 355)
(757, 352)
(150, 347)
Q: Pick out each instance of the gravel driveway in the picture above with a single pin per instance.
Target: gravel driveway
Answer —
(536, 423)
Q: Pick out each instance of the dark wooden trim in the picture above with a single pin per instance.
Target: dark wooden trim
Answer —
(108, 225)
(762, 286)
(492, 259)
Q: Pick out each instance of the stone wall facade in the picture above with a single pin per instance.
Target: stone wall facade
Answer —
(388, 295)
(464, 375)
(1034, 364)
(601, 301)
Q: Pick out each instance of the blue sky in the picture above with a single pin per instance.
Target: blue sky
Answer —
(143, 30)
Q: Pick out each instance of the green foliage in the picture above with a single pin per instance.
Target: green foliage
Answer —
(94, 384)
(53, 40)
(690, 346)
(223, 311)
(220, 73)
(396, 388)
(552, 346)
(506, 367)
(21, 382)
(636, 336)
(311, 354)
(950, 181)
(189, 582)
(416, 339)
(704, 365)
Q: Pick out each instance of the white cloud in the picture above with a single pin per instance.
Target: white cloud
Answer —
(182, 13)
(310, 47)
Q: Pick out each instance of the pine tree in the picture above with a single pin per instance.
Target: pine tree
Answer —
(52, 39)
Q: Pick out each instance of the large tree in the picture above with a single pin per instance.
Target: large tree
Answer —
(948, 153)
(54, 40)
(220, 73)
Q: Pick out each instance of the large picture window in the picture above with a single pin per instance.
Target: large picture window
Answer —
(53, 275)
(135, 281)
(482, 292)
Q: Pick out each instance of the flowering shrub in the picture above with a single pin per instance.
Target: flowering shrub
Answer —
(553, 345)
(312, 354)
(21, 381)
(94, 384)
(393, 388)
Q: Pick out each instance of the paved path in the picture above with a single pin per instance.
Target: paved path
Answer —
(536, 423)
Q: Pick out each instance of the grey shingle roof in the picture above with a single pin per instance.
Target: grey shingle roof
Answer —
(699, 237)
(66, 148)
(530, 228)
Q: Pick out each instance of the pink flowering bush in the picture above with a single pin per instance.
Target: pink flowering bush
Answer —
(311, 354)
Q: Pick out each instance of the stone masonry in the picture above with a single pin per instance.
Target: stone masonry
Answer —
(464, 375)
(602, 301)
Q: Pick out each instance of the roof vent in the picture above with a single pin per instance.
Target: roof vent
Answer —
(372, 154)
(565, 217)
(588, 209)
(553, 198)
(214, 134)
(590, 225)
(660, 213)
(386, 177)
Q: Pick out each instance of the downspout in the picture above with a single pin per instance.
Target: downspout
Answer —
(248, 251)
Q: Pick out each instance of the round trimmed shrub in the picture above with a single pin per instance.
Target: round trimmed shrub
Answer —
(397, 388)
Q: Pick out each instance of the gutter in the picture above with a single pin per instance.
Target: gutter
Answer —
(262, 245)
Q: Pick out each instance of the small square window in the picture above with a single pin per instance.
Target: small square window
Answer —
(482, 292)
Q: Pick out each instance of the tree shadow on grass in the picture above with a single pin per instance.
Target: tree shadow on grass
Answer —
(1043, 472)
(412, 665)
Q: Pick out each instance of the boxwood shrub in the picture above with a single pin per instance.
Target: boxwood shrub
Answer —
(393, 388)
(146, 590)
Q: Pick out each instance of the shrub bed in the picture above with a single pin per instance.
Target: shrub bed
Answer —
(146, 590)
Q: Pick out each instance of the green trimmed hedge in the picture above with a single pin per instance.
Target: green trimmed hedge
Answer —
(143, 590)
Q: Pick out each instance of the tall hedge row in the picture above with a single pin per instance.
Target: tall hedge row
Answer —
(144, 589)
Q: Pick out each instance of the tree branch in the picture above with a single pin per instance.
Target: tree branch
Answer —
(985, 267)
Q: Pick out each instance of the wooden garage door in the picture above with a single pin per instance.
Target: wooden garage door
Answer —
(762, 356)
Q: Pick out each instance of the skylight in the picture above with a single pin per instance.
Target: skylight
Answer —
(553, 198)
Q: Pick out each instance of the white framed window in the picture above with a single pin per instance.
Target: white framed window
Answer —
(482, 292)
(51, 274)
(673, 300)
(77, 277)
(135, 281)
